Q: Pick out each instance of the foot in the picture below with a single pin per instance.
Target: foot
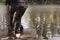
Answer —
(10, 37)
(21, 30)
(17, 35)
(11, 34)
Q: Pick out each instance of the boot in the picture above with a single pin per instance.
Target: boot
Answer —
(21, 29)
(17, 32)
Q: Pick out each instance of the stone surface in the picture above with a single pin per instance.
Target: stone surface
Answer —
(29, 34)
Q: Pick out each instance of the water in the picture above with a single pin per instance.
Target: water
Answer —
(57, 37)
(49, 16)
(44, 18)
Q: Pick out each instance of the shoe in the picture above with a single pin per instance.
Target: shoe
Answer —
(17, 35)
(21, 29)
(11, 34)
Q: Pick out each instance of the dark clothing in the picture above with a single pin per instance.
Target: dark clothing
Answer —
(18, 6)
(20, 11)
(12, 2)
(18, 16)
(15, 3)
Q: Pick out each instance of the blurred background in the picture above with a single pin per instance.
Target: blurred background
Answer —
(41, 15)
(39, 2)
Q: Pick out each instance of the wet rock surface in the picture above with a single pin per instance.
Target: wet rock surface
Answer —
(29, 34)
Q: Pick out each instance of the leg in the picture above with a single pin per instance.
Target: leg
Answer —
(18, 22)
(10, 29)
(20, 12)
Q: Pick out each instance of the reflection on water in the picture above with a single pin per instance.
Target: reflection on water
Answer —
(48, 21)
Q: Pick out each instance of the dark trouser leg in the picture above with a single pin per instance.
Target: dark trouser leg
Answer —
(20, 12)
(21, 29)
(18, 22)
(10, 29)
(17, 30)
